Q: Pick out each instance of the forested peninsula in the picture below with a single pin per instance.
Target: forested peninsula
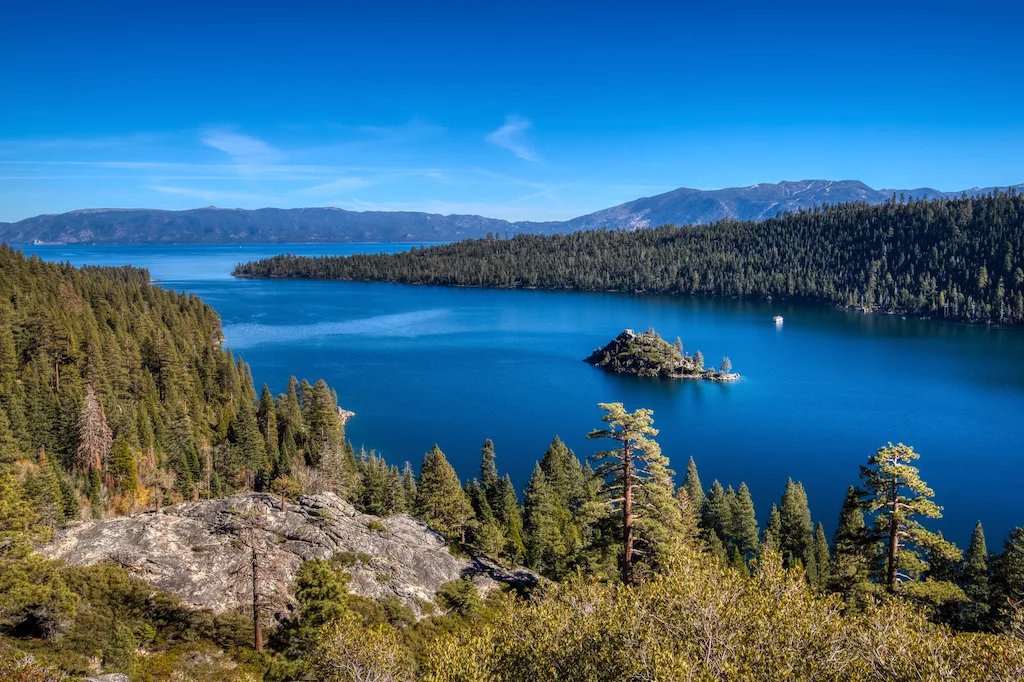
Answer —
(117, 400)
(956, 259)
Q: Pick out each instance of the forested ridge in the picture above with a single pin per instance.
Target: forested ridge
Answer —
(957, 259)
(651, 574)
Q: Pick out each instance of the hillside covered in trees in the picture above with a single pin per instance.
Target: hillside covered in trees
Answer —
(117, 398)
(116, 395)
(957, 259)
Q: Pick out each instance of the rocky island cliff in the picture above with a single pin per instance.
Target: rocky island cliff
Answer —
(202, 551)
(649, 355)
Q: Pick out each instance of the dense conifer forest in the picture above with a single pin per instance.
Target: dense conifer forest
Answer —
(117, 397)
(957, 259)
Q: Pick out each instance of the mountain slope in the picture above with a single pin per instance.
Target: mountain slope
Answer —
(683, 206)
(266, 225)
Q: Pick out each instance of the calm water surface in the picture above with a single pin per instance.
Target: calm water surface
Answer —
(420, 365)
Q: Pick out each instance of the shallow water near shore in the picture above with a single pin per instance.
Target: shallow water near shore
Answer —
(819, 393)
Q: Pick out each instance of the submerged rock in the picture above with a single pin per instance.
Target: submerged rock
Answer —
(202, 551)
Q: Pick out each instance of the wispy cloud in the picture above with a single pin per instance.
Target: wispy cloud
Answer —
(209, 195)
(334, 187)
(245, 150)
(81, 143)
(512, 137)
(413, 130)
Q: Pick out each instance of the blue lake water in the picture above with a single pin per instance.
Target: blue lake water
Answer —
(819, 394)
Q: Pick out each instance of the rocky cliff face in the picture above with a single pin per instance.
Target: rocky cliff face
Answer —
(203, 551)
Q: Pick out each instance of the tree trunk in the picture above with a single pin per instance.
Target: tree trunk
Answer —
(894, 539)
(627, 516)
(257, 625)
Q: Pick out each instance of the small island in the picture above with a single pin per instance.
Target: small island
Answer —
(649, 355)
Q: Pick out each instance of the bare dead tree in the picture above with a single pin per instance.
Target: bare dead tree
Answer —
(94, 435)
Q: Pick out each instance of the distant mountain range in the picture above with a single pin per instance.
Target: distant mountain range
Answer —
(212, 225)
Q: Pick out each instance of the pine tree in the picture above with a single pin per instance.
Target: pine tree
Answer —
(1007, 587)
(795, 538)
(323, 427)
(564, 473)
(486, 536)
(738, 563)
(122, 473)
(266, 417)
(249, 447)
(716, 548)
(509, 516)
(42, 491)
(896, 495)
(822, 562)
(8, 353)
(974, 579)
(8, 445)
(694, 489)
(440, 501)
(743, 528)
(852, 556)
(718, 512)
(321, 594)
(660, 526)
(488, 470)
(409, 485)
(545, 550)
(634, 470)
(771, 538)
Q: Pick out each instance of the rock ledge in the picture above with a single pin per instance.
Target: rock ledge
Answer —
(200, 550)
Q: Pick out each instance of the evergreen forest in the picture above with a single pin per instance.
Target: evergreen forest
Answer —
(956, 259)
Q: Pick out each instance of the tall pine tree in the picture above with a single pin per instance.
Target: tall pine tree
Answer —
(895, 493)
(440, 500)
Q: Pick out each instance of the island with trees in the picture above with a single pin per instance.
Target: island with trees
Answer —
(953, 259)
(649, 355)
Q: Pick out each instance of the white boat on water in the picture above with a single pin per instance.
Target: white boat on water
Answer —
(778, 319)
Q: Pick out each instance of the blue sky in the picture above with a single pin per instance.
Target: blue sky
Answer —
(514, 110)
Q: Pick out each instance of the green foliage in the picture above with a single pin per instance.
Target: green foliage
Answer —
(795, 530)
(695, 620)
(895, 493)
(1008, 579)
(853, 555)
(743, 529)
(937, 258)
(440, 501)
(348, 652)
(546, 551)
(636, 473)
(123, 471)
(821, 576)
(646, 355)
(97, 365)
(694, 489)
(458, 596)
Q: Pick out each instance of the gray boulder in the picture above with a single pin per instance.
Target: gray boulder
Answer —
(202, 551)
